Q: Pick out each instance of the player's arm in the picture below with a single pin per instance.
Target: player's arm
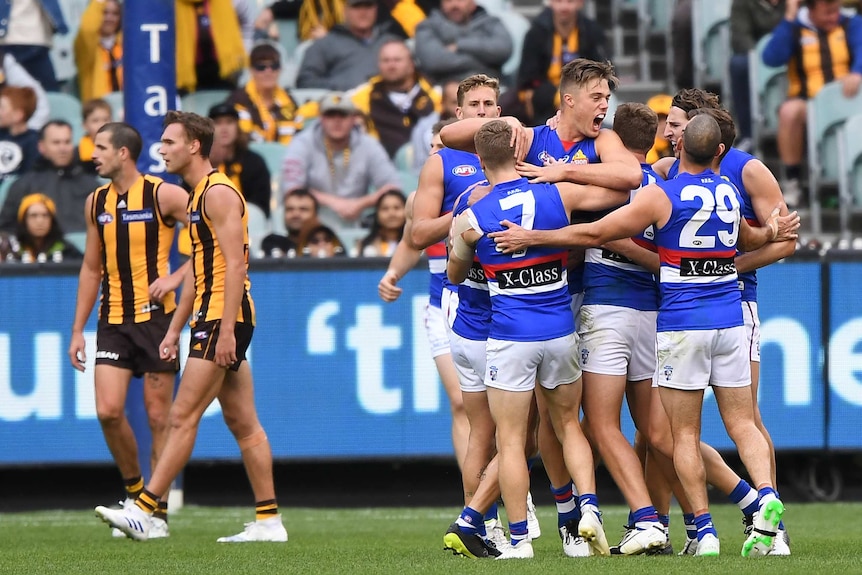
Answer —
(89, 279)
(777, 228)
(591, 198)
(460, 135)
(429, 227)
(224, 208)
(765, 194)
(463, 247)
(172, 201)
(640, 255)
(168, 346)
(649, 206)
(404, 259)
(662, 167)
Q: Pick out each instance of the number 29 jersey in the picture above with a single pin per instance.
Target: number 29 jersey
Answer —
(697, 247)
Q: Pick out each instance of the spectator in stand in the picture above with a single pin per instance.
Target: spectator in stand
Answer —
(345, 169)
(750, 20)
(395, 100)
(39, 235)
(347, 55)
(300, 213)
(99, 50)
(819, 44)
(58, 175)
(230, 155)
(19, 148)
(27, 29)
(96, 113)
(210, 46)
(461, 39)
(267, 112)
(662, 148)
(423, 132)
(387, 227)
(14, 74)
(559, 34)
(321, 242)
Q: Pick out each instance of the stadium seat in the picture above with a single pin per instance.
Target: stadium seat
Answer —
(77, 239)
(850, 170)
(768, 91)
(517, 26)
(258, 228)
(404, 157)
(67, 107)
(303, 95)
(273, 155)
(350, 237)
(612, 110)
(290, 66)
(201, 102)
(498, 8)
(115, 99)
(5, 184)
(711, 43)
(827, 112)
(288, 35)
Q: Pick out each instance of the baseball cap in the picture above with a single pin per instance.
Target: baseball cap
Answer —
(337, 102)
(223, 109)
(660, 104)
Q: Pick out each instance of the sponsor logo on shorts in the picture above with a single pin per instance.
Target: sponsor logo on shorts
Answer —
(585, 354)
(145, 215)
(533, 276)
(464, 170)
(492, 372)
(201, 335)
(689, 267)
(668, 372)
(148, 307)
(113, 356)
(105, 218)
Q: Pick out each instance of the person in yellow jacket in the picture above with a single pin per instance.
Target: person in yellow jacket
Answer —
(209, 44)
(99, 50)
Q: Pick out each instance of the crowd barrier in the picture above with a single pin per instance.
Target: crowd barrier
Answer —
(341, 375)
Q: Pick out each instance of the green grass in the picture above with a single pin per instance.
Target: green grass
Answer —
(826, 539)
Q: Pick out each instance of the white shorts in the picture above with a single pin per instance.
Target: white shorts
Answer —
(695, 359)
(752, 329)
(468, 355)
(516, 365)
(435, 327)
(618, 340)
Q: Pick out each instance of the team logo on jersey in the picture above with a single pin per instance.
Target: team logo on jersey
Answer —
(649, 233)
(533, 276)
(711, 267)
(105, 218)
(580, 158)
(492, 372)
(585, 354)
(668, 372)
(464, 170)
(132, 216)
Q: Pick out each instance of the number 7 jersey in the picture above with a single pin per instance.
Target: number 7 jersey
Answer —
(697, 247)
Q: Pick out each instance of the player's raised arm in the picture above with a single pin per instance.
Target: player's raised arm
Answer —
(459, 135)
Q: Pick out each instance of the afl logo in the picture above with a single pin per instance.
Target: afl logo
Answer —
(105, 218)
(464, 170)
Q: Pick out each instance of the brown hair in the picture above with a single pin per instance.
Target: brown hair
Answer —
(435, 129)
(689, 99)
(581, 71)
(477, 81)
(725, 124)
(21, 98)
(493, 144)
(636, 125)
(91, 106)
(124, 135)
(196, 127)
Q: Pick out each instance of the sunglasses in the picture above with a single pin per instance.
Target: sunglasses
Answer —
(263, 66)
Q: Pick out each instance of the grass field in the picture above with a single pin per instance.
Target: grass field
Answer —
(826, 538)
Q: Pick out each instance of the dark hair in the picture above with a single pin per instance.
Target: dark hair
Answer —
(493, 144)
(374, 232)
(91, 106)
(53, 123)
(725, 124)
(303, 193)
(435, 129)
(195, 126)
(582, 71)
(689, 99)
(701, 139)
(330, 235)
(27, 241)
(264, 52)
(636, 125)
(22, 98)
(124, 135)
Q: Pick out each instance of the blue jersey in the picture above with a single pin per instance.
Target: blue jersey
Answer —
(731, 169)
(530, 298)
(548, 146)
(674, 170)
(473, 319)
(460, 171)
(697, 247)
(612, 279)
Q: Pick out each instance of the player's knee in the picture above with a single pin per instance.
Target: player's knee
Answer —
(110, 415)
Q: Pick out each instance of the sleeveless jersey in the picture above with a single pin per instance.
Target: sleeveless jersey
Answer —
(674, 170)
(136, 243)
(546, 146)
(530, 298)
(612, 279)
(473, 319)
(460, 171)
(731, 169)
(697, 247)
(207, 259)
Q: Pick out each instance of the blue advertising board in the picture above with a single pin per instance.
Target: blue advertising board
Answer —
(339, 374)
(845, 356)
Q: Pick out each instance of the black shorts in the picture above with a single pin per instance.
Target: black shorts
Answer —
(134, 346)
(205, 337)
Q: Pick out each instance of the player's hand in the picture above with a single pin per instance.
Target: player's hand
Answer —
(519, 138)
(387, 288)
(77, 353)
(477, 192)
(513, 239)
(784, 228)
(225, 351)
(554, 120)
(162, 287)
(168, 347)
(551, 173)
